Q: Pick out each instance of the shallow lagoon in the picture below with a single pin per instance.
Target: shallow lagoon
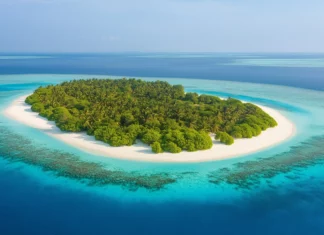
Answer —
(284, 174)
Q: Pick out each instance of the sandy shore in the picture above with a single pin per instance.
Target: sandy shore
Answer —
(21, 112)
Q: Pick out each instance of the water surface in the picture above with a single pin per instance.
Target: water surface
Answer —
(48, 187)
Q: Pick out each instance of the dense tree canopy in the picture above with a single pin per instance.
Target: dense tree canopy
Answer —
(161, 115)
(224, 138)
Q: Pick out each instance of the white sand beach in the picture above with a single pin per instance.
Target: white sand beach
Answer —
(21, 112)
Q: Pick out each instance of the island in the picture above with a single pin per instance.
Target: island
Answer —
(121, 112)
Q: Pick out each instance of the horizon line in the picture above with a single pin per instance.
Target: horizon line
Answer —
(166, 52)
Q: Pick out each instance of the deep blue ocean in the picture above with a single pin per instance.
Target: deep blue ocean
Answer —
(297, 70)
(276, 191)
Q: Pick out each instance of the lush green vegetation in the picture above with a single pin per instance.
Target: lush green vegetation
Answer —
(224, 138)
(161, 115)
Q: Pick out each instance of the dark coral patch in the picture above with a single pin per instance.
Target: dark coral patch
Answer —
(250, 173)
(15, 147)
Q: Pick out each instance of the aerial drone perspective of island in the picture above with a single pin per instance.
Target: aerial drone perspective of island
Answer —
(173, 117)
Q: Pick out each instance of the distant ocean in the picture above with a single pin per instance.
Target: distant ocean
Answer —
(298, 70)
(47, 187)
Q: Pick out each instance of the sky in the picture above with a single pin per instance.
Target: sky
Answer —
(161, 26)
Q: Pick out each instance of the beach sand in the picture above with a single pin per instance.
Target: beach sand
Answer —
(22, 113)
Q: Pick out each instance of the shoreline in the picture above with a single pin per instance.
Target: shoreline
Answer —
(21, 112)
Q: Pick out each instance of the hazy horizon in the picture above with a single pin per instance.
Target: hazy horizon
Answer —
(157, 52)
(155, 26)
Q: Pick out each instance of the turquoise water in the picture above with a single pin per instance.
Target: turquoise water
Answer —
(304, 63)
(306, 113)
(282, 182)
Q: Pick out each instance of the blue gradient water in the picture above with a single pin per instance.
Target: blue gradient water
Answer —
(298, 70)
(284, 193)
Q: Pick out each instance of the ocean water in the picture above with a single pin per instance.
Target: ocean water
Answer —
(297, 70)
(47, 187)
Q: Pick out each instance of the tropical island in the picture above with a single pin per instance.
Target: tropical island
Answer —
(120, 112)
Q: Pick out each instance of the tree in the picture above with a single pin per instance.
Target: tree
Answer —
(151, 136)
(224, 138)
(37, 107)
(34, 98)
(156, 147)
(127, 119)
(193, 97)
(172, 148)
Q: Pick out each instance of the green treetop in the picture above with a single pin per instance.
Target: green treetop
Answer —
(120, 112)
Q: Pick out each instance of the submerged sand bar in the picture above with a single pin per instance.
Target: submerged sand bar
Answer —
(21, 112)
